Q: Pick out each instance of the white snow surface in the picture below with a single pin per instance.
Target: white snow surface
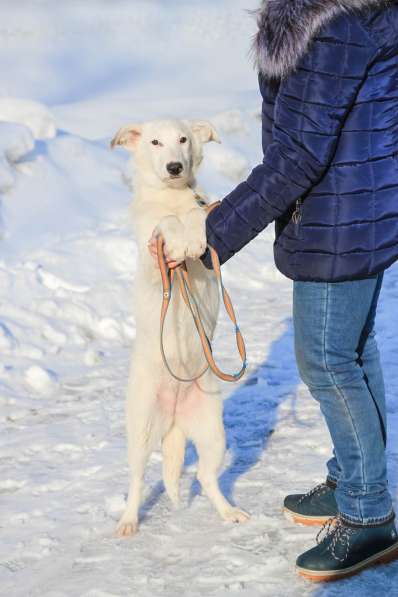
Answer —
(33, 114)
(71, 74)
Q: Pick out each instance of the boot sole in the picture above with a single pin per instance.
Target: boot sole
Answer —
(382, 557)
(308, 521)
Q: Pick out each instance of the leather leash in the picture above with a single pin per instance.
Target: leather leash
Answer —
(181, 273)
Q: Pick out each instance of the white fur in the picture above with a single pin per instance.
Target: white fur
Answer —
(160, 409)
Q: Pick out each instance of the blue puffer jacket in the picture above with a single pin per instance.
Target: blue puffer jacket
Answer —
(329, 177)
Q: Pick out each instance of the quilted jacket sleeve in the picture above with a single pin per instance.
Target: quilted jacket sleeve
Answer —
(310, 110)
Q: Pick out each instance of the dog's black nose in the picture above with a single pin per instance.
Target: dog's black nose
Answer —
(174, 168)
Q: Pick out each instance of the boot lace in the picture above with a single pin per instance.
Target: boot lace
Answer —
(339, 536)
(321, 488)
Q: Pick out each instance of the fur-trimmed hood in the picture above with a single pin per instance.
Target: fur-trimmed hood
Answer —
(286, 28)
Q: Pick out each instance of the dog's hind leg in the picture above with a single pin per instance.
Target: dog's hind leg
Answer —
(211, 454)
(140, 445)
(201, 419)
(144, 430)
(173, 447)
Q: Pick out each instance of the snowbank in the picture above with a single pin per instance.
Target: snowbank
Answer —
(16, 141)
(35, 116)
(21, 123)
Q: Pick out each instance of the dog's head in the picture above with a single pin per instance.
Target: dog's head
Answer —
(167, 152)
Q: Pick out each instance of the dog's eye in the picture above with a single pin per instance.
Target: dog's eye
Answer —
(155, 142)
(183, 140)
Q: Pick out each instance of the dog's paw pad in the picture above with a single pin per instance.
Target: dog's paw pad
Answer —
(126, 529)
(236, 515)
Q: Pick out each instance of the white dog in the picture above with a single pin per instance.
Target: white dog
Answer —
(159, 408)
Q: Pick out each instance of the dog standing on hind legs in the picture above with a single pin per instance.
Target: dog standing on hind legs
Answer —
(160, 408)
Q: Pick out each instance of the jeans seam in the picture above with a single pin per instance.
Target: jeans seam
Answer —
(342, 396)
(339, 390)
(324, 328)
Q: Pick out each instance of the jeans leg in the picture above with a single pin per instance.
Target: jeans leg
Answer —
(334, 470)
(369, 361)
(329, 321)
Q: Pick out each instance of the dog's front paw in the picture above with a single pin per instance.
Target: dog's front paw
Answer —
(173, 234)
(195, 233)
(235, 515)
(175, 248)
(196, 245)
(126, 528)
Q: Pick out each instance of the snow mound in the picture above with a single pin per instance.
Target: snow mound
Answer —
(228, 162)
(16, 140)
(229, 122)
(32, 114)
(42, 381)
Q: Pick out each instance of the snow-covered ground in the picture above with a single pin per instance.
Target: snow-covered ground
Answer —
(71, 74)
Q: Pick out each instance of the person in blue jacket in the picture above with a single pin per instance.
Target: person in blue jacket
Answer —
(328, 75)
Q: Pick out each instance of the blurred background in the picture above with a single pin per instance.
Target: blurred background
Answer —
(93, 66)
(121, 59)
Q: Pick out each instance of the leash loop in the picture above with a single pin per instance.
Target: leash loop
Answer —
(186, 291)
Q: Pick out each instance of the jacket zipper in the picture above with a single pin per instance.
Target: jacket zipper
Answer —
(297, 214)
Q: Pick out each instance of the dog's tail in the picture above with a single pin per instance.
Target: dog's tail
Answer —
(173, 448)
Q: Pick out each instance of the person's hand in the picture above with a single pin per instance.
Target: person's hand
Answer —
(153, 250)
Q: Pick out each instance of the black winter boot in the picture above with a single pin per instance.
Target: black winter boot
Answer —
(347, 549)
(313, 508)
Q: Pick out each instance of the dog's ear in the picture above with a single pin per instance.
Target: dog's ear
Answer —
(128, 136)
(205, 131)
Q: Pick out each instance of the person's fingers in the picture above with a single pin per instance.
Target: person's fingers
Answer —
(153, 253)
(173, 264)
(170, 259)
(153, 250)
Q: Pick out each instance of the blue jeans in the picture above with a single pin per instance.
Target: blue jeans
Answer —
(339, 361)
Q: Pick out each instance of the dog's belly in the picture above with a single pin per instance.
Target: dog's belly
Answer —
(167, 400)
(177, 400)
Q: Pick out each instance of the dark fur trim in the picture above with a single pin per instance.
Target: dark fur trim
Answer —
(287, 27)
